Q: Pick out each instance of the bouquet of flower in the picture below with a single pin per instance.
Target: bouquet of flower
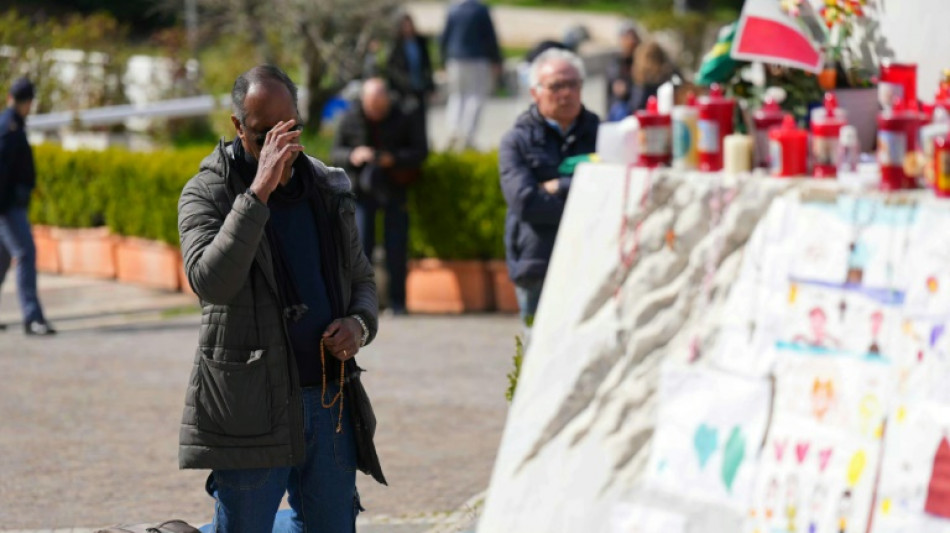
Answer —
(833, 25)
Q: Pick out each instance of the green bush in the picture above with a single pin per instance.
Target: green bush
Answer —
(456, 209)
(133, 193)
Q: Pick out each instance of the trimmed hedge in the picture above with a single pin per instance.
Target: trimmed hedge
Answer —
(133, 193)
(456, 209)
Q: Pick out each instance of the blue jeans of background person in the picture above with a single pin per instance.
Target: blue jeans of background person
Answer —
(395, 238)
(528, 292)
(321, 492)
(16, 241)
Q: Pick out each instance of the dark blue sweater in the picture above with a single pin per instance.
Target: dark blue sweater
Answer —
(296, 229)
(469, 33)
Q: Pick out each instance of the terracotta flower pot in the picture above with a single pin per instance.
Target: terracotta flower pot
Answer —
(47, 249)
(149, 263)
(436, 286)
(86, 251)
(502, 287)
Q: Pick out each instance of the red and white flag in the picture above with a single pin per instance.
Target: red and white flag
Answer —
(768, 34)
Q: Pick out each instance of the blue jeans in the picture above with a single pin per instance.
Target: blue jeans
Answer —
(321, 492)
(16, 241)
(395, 238)
(528, 292)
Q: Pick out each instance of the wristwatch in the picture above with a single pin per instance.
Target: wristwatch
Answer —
(362, 322)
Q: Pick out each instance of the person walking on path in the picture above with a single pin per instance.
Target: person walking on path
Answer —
(409, 71)
(472, 61)
(535, 178)
(17, 179)
(382, 149)
(270, 246)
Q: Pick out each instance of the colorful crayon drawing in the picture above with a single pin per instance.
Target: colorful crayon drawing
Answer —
(914, 489)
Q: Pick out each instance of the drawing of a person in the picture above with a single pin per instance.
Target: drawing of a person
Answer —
(818, 497)
(791, 502)
(819, 337)
(822, 397)
(771, 495)
(844, 511)
(856, 261)
(877, 319)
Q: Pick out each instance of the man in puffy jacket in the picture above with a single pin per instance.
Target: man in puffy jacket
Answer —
(533, 179)
(17, 179)
(270, 246)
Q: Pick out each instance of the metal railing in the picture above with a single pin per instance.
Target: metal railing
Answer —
(107, 116)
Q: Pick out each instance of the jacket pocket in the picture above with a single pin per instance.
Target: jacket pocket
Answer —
(234, 398)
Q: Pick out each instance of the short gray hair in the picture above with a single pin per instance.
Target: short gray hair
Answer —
(258, 74)
(554, 54)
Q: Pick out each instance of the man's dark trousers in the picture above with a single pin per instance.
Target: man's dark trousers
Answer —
(16, 241)
(395, 237)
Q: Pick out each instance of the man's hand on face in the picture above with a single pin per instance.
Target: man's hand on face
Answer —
(277, 156)
(361, 155)
(551, 186)
(342, 338)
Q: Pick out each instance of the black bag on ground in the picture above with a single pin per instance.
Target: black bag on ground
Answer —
(364, 424)
(170, 526)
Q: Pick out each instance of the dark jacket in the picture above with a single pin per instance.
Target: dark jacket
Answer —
(397, 69)
(397, 134)
(17, 173)
(243, 404)
(530, 154)
(619, 67)
(469, 33)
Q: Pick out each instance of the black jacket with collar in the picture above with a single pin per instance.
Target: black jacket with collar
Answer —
(530, 154)
(17, 173)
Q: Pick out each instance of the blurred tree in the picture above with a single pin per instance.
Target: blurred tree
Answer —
(140, 15)
(76, 62)
(330, 38)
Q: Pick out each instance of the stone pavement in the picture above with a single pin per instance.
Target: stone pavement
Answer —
(89, 418)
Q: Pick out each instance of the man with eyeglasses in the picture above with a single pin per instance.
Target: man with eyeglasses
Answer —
(270, 246)
(534, 178)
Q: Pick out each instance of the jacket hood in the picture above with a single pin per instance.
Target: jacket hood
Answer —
(332, 179)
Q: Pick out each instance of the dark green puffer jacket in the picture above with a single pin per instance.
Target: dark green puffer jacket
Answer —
(243, 406)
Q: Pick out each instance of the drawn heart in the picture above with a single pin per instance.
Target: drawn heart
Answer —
(732, 457)
(779, 449)
(801, 451)
(705, 440)
(823, 457)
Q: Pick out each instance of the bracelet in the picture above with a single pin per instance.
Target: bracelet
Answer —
(250, 193)
(365, 336)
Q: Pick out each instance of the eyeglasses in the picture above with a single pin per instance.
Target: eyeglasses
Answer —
(557, 86)
(260, 138)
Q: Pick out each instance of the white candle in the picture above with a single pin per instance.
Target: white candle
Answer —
(737, 153)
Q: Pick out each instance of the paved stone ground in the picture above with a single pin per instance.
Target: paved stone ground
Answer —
(89, 418)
